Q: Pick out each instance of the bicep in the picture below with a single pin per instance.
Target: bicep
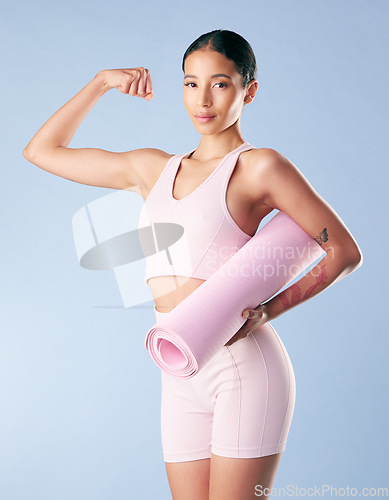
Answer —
(287, 189)
(93, 166)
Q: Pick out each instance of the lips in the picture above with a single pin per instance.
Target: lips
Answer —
(204, 117)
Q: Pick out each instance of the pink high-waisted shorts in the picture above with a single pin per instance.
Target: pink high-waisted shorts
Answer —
(239, 405)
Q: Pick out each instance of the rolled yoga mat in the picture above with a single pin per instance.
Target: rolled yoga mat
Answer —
(186, 338)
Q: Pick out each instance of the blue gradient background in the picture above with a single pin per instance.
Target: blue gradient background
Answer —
(80, 395)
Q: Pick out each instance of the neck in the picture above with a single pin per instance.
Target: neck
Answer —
(218, 145)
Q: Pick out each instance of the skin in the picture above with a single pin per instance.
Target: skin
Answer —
(262, 180)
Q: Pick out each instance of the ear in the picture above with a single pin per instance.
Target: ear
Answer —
(252, 88)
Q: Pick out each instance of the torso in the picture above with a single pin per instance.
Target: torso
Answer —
(247, 211)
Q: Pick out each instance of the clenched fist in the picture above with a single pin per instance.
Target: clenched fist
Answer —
(133, 81)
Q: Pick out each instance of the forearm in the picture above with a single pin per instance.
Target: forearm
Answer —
(327, 272)
(61, 126)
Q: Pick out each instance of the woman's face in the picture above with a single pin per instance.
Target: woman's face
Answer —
(213, 91)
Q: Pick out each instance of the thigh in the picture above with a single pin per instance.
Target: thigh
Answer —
(186, 425)
(186, 429)
(242, 478)
(189, 480)
(254, 410)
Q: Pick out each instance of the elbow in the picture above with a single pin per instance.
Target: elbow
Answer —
(348, 258)
(359, 260)
(27, 153)
(352, 254)
(355, 259)
(357, 256)
(30, 155)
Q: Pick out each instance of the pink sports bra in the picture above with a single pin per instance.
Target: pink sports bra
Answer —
(195, 235)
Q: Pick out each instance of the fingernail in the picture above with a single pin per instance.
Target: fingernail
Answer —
(246, 314)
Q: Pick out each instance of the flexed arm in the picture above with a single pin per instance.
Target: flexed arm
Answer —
(48, 149)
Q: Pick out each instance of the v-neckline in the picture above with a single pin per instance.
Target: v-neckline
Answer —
(181, 157)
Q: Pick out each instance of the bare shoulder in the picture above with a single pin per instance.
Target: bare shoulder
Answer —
(272, 175)
(262, 169)
(262, 159)
(267, 163)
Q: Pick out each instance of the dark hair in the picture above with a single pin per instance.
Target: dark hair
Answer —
(232, 46)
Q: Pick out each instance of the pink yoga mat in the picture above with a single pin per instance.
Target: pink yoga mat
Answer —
(186, 338)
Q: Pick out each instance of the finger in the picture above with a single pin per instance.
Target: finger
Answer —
(232, 339)
(235, 338)
(149, 84)
(134, 84)
(251, 313)
(240, 334)
(121, 86)
(142, 83)
(126, 84)
(247, 313)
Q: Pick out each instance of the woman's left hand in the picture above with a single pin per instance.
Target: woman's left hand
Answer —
(256, 317)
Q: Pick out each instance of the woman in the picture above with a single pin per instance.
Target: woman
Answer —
(223, 430)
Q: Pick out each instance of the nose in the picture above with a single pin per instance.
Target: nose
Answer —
(204, 97)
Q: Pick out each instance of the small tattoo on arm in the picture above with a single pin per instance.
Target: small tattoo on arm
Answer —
(323, 237)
